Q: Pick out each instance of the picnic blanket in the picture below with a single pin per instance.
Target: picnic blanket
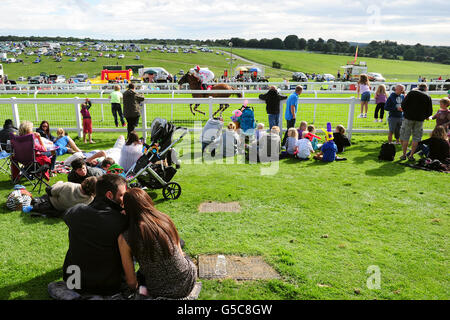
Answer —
(60, 167)
(429, 165)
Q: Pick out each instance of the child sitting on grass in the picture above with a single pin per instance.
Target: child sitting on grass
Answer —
(302, 128)
(259, 131)
(291, 142)
(340, 139)
(65, 143)
(314, 141)
(304, 148)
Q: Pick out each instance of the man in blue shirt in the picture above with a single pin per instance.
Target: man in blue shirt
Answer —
(394, 106)
(291, 110)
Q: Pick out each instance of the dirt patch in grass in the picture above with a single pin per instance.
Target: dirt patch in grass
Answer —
(234, 267)
(211, 206)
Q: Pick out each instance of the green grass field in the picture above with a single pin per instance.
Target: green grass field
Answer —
(392, 70)
(374, 213)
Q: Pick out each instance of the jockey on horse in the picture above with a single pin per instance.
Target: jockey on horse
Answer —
(204, 75)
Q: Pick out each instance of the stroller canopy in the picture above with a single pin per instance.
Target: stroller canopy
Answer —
(161, 132)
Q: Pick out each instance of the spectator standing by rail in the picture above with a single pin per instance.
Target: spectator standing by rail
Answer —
(116, 108)
(131, 107)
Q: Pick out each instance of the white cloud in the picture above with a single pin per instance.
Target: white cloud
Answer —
(404, 21)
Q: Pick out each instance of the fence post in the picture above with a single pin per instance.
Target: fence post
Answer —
(210, 107)
(15, 112)
(78, 117)
(101, 97)
(315, 107)
(280, 119)
(351, 116)
(36, 106)
(144, 121)
(171, 106)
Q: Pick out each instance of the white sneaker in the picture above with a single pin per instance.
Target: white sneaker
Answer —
(365, 115)
(361, 116)
(376, 120)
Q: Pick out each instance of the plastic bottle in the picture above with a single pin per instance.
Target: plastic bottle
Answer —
(221, 266)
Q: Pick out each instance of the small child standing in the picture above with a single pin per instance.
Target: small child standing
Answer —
(87, 120)
(301, 129)
(380, 100)
(443, 115)
(340, 139)
(364, 89)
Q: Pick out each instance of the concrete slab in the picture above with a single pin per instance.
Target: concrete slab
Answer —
(234, 267)
(211, 206)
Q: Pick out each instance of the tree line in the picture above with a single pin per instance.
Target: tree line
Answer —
(375, 49)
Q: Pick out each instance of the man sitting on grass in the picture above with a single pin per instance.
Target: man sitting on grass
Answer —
(93, 233)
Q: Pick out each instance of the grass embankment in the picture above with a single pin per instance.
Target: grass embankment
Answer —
(372, 213)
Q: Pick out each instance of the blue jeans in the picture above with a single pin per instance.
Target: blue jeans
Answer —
(274, 120)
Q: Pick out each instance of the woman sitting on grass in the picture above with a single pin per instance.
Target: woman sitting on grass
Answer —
(131, 151)
(43, 156)
(153, 240)
(44, 131)
(436, 147)
(62, 141)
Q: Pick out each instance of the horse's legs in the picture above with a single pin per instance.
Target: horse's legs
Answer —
(190, 106)
(220, 110)
(195, 108)
(226, 106)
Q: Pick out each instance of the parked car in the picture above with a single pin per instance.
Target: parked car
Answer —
(84, 59)
(328, 77)
(299, 77)
(120, 56)
(373, 76)
(93, 59)
(21, 79)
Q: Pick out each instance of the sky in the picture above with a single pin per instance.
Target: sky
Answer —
(405, 21)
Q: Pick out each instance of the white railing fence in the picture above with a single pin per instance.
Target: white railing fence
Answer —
(347, 87)
(65, 112)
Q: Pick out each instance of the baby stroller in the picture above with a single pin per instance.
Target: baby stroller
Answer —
(155, 168)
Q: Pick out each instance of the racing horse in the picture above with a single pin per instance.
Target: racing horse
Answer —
(195, 84)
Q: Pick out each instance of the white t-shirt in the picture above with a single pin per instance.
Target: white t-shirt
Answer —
(129, 155)
(304, 148)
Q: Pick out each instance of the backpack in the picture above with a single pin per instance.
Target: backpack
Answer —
(247, 119)
(387, 152)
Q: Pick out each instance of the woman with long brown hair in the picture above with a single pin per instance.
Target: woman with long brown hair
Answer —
(153, 240)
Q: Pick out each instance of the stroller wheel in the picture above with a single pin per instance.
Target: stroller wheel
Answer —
(172, 191)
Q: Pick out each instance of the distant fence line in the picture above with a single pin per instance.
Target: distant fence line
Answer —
(65, 112)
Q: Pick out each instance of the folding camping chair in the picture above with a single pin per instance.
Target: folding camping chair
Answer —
(5, 158)
(24, 159)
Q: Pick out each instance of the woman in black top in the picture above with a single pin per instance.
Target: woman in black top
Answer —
(44, 131)
(438, 145)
